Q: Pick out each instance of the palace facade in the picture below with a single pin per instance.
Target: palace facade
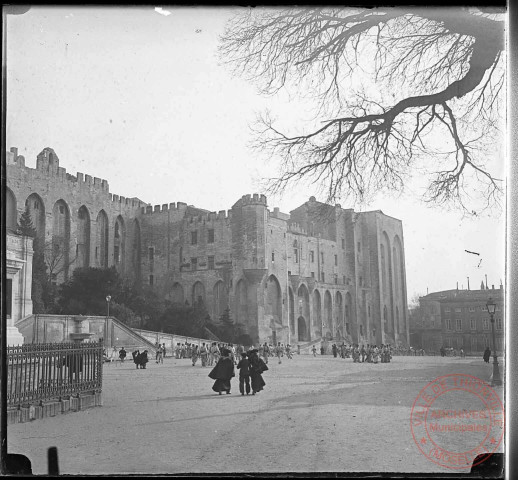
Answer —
(321, 271)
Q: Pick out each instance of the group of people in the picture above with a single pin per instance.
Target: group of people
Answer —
(140, 358)
(250, 366)
(359, 354)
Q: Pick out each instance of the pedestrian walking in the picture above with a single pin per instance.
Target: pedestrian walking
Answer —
(256, 367)
(487, 355)
(244, 374)
(135, 356)
(266, 352)
(278, 351)
(194, 354)
(203, 355)
(163, 349)
(223, 372)
(363, 353)
(159, 354)
(122, 354)
(335, 350)
(143, 359)
(288, 352)
(314, 349)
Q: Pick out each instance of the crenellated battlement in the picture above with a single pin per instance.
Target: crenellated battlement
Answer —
(254, 199)
(47, 163)
(172, 207)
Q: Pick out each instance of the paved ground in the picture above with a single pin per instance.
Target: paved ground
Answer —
(315, 415)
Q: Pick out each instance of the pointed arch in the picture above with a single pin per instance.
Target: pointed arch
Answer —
(136, 250)
(317, 313)
(339, 315)
(292, 311)
(60, 255)
(119, 245)
(273, 304)
(83, 237)
(219, 299)
(36, 208)
(328, 315)
(101, 240)
(11, 210)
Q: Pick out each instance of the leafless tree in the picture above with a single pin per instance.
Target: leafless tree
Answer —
(397, 92)
(57, 258)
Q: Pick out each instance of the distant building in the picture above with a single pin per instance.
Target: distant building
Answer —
(458, 319)
(319, 272)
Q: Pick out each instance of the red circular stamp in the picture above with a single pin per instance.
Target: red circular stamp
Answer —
(455, 418)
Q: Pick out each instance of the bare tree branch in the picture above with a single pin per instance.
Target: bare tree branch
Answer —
(443, 66)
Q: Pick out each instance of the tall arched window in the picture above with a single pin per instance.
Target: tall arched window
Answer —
(101, 244)
(83, 238)
(58, 258)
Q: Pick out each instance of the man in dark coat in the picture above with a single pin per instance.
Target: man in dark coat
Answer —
(143, 359)
(257, 367)
(136, 355)
(223, 372)
(244, 374)
(487, 354)
(335, 350)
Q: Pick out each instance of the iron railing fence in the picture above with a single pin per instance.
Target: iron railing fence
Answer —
(45, 371)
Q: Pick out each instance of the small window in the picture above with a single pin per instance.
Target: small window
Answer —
(471, 309)
(211, 262)
(336, 279)
(36, 205)
(151, 280)
(296, 254)
(499, 324)
(323, 277)
(369, 310)
(472, 324)
(312, 256)
(194, 237)
(458, 310)
(322, 258)
(210, 236)
(458, 324)
(194, 263)
(485, 324)
(447, 310)
(151, 253)
(336, 259)
(358, 246)
(449, 324)
(117, 235)
(273, 257)
(343, 243)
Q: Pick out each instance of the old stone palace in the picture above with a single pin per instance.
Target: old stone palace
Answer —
(320, 271)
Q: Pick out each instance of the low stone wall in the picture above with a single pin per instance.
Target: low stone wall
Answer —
(73, 403)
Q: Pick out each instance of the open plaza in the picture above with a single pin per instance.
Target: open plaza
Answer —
(316, 414)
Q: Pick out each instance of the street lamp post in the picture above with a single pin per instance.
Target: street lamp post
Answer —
(491, 307)
(108, 300)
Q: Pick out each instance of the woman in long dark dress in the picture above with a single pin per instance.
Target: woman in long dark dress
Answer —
(223, 372)
(257, 367)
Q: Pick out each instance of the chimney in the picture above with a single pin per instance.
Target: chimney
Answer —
(468, 283)
(486, 281)
(492, 287)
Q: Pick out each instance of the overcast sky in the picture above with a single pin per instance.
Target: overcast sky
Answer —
(139, 99)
